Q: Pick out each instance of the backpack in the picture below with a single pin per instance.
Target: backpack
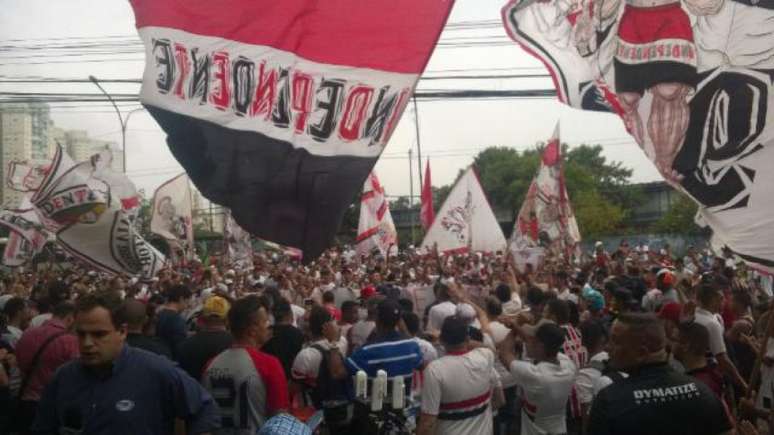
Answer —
(330, 395)
(604, 368)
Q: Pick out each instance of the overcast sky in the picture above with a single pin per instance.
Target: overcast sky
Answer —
(451, 131)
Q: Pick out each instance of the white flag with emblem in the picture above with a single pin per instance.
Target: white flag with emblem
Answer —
(466, 221)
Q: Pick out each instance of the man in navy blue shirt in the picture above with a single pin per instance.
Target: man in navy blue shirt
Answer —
(170, 324)
(116, 389)
(386, 349)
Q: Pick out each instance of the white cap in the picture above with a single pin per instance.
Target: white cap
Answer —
(466, 311)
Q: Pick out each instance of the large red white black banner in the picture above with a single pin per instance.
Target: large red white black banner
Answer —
(279, 110)
(692, 81)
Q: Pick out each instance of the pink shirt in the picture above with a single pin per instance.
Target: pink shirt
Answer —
(61, 350)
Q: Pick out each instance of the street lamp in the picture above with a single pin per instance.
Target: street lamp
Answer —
(124, 121)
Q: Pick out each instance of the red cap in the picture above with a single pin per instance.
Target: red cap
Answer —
(668, 277)
(367, 292)
(671, 311)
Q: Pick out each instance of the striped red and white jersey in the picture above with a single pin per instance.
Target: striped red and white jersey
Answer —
(574, 350)
(545, 390)
(458, 389)
(573, 346)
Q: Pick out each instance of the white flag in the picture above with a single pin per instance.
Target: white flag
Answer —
(239, 245)
(546, 218)
(113, 245)
(376, 230)
(121, 187)
(18, 251)
(24, 222)
(89, 222)
(465, 221)
(67, 194)
(172, 215)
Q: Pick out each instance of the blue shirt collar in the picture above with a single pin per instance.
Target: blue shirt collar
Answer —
(390, 336)
(118, 364)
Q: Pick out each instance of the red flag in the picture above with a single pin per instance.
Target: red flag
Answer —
(427, 214)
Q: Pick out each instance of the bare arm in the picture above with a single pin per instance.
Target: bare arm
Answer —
(727, 367)
(336, 365)
(426, 424)
(498, 398)
(458, 293)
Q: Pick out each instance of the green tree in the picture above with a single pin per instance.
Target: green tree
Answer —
(680, 217)
(599, 190)
(402, 203)
(595, 214)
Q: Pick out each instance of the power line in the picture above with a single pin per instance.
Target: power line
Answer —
(74, 61)
(56, 80)
(422, 78)
(31, 97)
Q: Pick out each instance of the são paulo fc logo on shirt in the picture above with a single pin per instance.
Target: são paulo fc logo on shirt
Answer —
(666, 394)
(125, 405)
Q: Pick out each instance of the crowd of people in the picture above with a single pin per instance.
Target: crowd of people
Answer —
(634, 341)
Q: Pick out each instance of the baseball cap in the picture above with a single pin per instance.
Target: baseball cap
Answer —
(367, 292)
(215, 306)
(668, 277)
(284, 424)
(594, 298)
(466, 312)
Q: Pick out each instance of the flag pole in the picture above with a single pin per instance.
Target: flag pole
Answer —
(227, 237)
(419, 143)
(411, 197)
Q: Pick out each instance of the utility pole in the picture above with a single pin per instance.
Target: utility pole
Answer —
(411, 197)
(212, 219)
(419, 143)
(124, 121)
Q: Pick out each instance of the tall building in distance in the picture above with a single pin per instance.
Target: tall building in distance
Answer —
(27, 133)
(23, 127)
(40, 117)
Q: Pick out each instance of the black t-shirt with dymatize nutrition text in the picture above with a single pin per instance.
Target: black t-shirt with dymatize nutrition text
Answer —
(657, 401)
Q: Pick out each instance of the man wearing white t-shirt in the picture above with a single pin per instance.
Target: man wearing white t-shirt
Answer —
(440, 311)
(597, 374)
(326, 336)
(461, 388)
(429, 353)
(546, 382)
(511, 301)
(710, 298)
(506, 419)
